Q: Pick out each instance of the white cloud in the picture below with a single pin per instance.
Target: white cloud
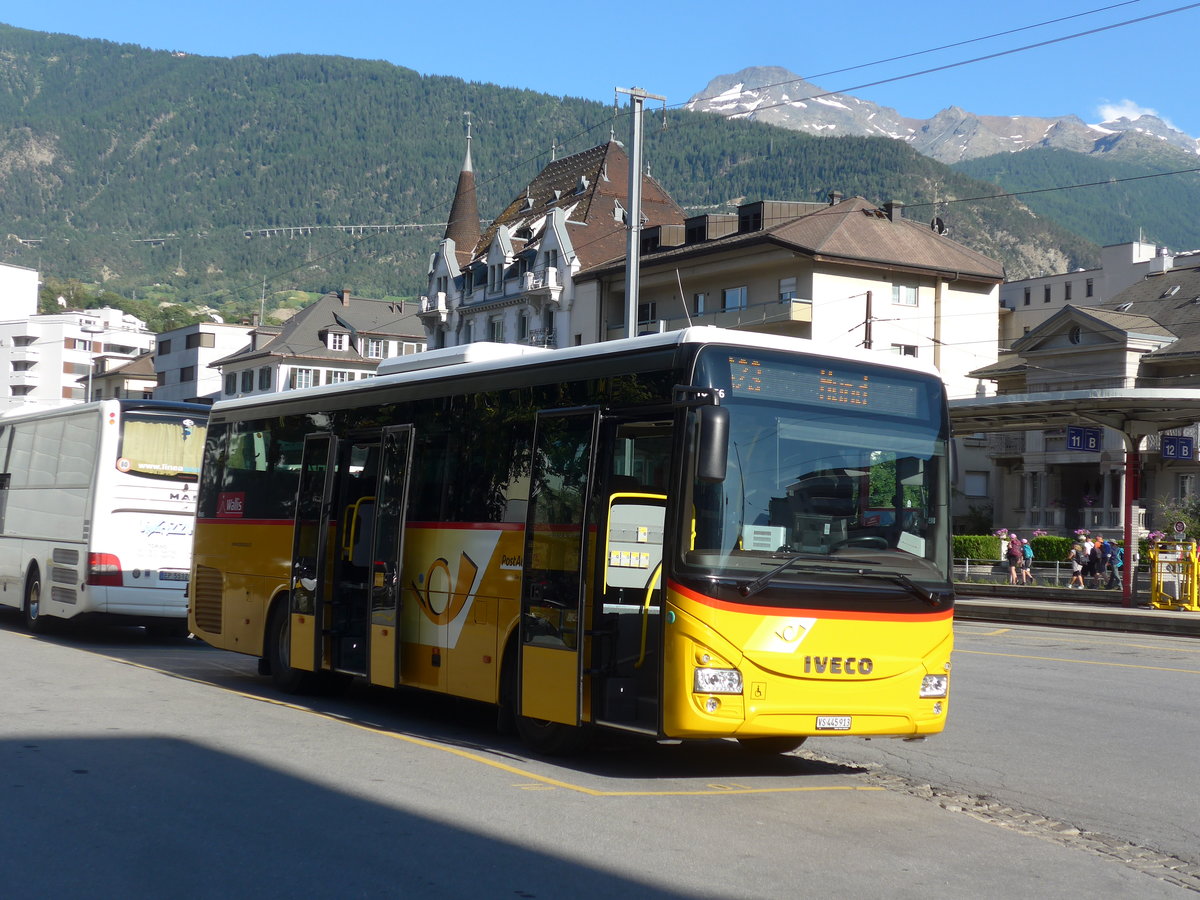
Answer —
(1129, 110)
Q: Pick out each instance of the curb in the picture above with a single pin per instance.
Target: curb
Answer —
(1140, 620)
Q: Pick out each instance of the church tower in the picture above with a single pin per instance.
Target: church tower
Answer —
(463, 225)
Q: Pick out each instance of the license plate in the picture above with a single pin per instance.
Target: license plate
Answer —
(173, 576)
(833, 723)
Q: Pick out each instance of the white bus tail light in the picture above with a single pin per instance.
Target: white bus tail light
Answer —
(104, 569)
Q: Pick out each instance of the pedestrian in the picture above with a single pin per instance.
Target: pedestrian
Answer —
(1116, 560)
(1027, 562)
(1076, 558)
(1096, 560)
(1014, 556)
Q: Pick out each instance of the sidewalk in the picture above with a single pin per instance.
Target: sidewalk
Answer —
(1076, 609)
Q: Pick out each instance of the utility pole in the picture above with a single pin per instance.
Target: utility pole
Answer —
(633, 243)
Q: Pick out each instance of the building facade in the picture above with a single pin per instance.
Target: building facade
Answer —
(515, 281)
(183, 358)
(1147, 335)
(45, 359)
(336, 339)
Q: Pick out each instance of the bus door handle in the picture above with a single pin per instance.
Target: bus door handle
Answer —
(646, 613)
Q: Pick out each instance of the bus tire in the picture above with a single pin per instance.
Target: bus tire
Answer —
(35, 620)
(279, 653)
(772, 746)
(546, 738)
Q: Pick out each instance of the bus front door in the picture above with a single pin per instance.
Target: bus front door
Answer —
(310, 547)
(556, 551)
(391, 505)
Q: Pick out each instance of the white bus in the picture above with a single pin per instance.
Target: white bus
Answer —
(97, 504)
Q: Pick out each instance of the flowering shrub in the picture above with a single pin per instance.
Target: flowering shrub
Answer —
(1040, 532)
(1081, 533)
(1001, 532)
(1156, 536)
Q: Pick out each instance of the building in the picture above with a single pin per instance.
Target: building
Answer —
(337, 338)
(44, 359)
(1145, 337)
(844, 274)
(119, 378)
(1027, 303)
(183, 358)
(18, 291)
(515, 281)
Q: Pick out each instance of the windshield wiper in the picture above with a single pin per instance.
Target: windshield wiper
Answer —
(751, 588)
(931, 597)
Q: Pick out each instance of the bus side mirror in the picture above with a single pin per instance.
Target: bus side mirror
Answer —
(713, 444)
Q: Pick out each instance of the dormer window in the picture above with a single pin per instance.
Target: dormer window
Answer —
(441, 284)
(336, 340)
(1169, 292)
(618, 212)
(583, 185)
(552, 258)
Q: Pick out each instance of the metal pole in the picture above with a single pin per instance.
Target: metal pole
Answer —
(633, 229)
(1132, 463)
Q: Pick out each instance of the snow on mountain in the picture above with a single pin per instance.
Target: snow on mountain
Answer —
(774, 95)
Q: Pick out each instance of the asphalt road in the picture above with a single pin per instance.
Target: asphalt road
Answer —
(146, 768)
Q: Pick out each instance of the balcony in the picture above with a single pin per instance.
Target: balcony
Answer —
(1006, 445)
(778, 318)
(434, 307)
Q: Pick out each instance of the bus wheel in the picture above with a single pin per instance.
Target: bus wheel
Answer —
(772, 745)
(279, 654)
(35, 620)
(547, 738)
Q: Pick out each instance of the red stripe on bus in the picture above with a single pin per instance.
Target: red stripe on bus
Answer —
(854, 615)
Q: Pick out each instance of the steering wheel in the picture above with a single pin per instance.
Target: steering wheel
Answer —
(867, 541)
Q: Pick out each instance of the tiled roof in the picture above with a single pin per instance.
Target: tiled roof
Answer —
(851, 231)
(300, 335)
(1172, 301)
(587, 187)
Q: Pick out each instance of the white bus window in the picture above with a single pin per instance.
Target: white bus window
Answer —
(162, 446)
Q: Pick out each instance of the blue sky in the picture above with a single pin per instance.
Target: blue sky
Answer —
(674, 48)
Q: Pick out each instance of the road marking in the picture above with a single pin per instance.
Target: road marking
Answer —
(1082, 662)
(535, 781)
(990, 633)
(1184, 645)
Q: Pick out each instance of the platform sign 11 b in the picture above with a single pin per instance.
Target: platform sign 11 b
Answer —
(1087, 439)
(1177, 446)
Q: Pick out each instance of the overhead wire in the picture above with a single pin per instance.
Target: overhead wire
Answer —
(582, 132)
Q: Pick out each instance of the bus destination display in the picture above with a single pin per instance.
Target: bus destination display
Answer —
(823, 385)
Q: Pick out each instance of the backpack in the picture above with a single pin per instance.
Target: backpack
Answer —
(1027, 551)
(1119, 557)
(1080, 557)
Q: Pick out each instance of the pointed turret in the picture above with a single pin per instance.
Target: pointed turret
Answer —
(463, 226)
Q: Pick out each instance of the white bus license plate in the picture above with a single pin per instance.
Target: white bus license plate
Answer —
(174, 576)
(833, 723)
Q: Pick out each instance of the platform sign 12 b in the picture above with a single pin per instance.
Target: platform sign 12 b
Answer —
(1177, 446)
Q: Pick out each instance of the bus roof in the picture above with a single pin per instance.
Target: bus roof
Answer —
(483, 357)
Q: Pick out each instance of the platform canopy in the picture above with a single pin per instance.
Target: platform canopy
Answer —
(1135, 412)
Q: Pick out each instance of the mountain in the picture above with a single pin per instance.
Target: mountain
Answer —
(219, 181)
(774, 95)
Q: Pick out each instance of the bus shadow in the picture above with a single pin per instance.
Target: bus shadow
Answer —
(446, 721)
(158, 817)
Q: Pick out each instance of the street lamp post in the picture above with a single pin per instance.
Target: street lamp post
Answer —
(91, 329)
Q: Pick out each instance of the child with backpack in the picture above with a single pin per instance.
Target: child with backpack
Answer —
(1026, 561)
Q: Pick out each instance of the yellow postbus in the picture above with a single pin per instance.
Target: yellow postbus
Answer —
(699, 534)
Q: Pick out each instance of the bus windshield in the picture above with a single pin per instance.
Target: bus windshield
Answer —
(161, 445)
(838, 466)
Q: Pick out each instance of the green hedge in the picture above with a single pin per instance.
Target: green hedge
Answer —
(977, 546)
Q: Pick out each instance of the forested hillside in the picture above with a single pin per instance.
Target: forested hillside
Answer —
(1161, 208)
(135, 168)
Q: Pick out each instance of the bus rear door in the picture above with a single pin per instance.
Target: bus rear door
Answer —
(310, 548)
(556, 559)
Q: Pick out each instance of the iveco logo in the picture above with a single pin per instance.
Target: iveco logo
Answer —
(839, 665)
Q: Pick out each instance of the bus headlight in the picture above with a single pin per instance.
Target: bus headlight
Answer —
(934, 685)
(717, 681)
